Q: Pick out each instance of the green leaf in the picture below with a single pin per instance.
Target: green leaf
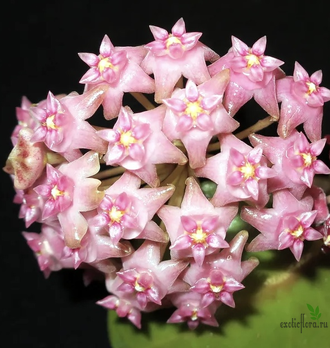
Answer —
(317, 310)
(313, 318)
(310, 308)
(319, 316)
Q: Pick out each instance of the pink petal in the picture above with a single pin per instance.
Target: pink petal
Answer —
(198, 251)
(316, 147)
(256, 73)
(232, 285)
(192, 93)
(158, 33)
(316, 77)
(239, 46)
(259, 46)
(311, 234)
(176, 50)
(208, 103)
(137, 152)
(252, 187)
(263, 172)
(90, 59)
(179, 28)
(235, 178)
(106, 46)
(204, 122)
(215, 241)
(320, 167)
(175, 104)
(207, 299)
(110, 135)
(122, 201)
(227, 299)
(201, 286)
(183, 242)
(184, 124)
(141, 131)
(237, 158)
(188, 224)
(115, 154)
(299, 73)
(116, 232)
(297, 249)
(209, 224)
(254, 156)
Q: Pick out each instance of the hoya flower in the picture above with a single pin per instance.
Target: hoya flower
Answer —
(62, 124)
(302, 100)
(252, 74)
(48, 248)
(212, 284)
(96, 247)
(286, 225)
(241, 173)
(118, 68)
(24, 118)
(27, 160)
(174, 54)
(138, 143)
(221, 273)
(295, 161)
(146, 276)
(68, 191)
(126, 211)
(195, 114)
(197, 228)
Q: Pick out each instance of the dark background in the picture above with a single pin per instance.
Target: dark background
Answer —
(39, 46)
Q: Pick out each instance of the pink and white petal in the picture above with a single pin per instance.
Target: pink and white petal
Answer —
(110, 135)
(90, 59)
(256, 73)
(311, 234)
(154, 233)
(184, 124)
(235, 178)
(179, 28)
(297, 249)
(91, 76)
(175, 51)
(175, 104)
(299, 73)
(239, 46)
(316, 77)
(204, 123)
(259, 46)
(235, 98)
(198, 252)
(137, 152)
(158, 33)
(115, 155)
(188, 224)
(320, 167)
(189, 40)
(112, 103)
(191, 91)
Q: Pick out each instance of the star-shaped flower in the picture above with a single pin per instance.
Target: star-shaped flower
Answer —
(197, 228)
(252, 74)
(295, 161)
(195, 114)
(126, 211)
(172, 55)
(138, 143)
(240, 171)
(302, 100)
(286, 225)
(119, 69)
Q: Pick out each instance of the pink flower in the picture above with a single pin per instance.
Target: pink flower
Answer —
(118, 68)
(24, 119)
(295, 161)
(68, 191)
(241, 173)
(252, 74)
(302, 101)
(195, 114)
(212, 283)
(127, 210)
(197, 228)
(146, 276)
(138, 143)
(61, 122)
(286, 225)
(173, 55)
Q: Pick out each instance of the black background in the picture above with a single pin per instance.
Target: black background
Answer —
(39, 46)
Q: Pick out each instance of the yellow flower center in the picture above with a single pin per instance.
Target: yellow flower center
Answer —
(308, 159)
(116, 215)
(216, 288)
(199, 237)
(311, 87)
(194, 315)
(172, 40)
(252, 60)
(105, 63)
(248, 170)
(327, 241)
(55, 192)
(298, 232)
(194, 109)
(50, 124)
(127, 139)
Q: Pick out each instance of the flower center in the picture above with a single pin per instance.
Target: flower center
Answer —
(50, 124)
(55, 192)
(252, 60)
(172, 40)
(297, 233)
(199, 236)
(116, 215)
(105, 63)
(216, 288)
(327, 241)
(127, 139)
(308, 159)
(194, 315)
(311, 87)
(248, 170)
(193, 109)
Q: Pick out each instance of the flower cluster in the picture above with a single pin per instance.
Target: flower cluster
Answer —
(125, 201)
